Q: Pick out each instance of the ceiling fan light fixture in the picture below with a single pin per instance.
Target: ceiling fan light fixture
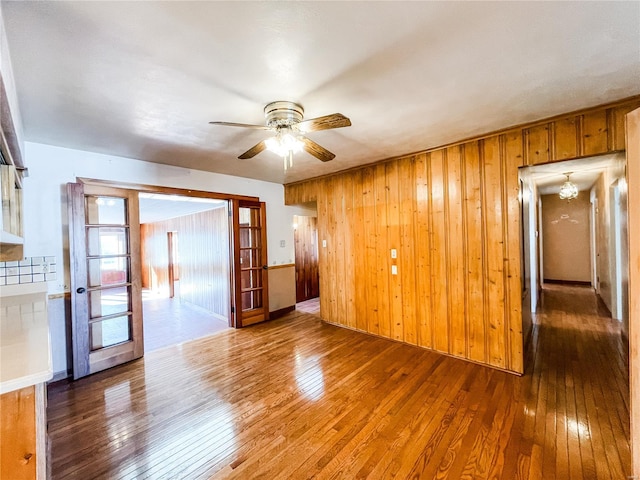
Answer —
(568, 190)
(285, 144)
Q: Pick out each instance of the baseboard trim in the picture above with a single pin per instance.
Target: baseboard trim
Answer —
(281, 312)
(58, 377)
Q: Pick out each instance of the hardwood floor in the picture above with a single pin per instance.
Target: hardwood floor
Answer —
(309, 306)
(297, 398)
(169, 321)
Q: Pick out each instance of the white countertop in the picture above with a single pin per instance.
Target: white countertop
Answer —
(25, 345)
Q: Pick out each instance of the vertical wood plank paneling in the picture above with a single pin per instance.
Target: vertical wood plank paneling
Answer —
(439, 273)
(394, 242)
(512, 159)
(456, 255)
(453, 214)
(476, 320)
(594, 133)
(382, 250)
(494, 250)
(537, 139)
(339, 252)
(423, 261)
(565, 138)
(331, 199)
(370, 253)
(325, 262)
(407, 251)
(349, 251)
(617, 125)
(359, 252)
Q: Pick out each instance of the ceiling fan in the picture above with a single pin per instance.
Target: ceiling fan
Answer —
(285, 119)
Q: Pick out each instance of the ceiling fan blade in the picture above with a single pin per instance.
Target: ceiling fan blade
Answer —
(253, 151)
(336, 120)
(316, 150)
(243, 125)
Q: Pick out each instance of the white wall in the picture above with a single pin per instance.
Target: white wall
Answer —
(45, 207)
(566, 238)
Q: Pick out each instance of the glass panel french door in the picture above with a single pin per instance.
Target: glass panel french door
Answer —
(104, 242)
(251, 263)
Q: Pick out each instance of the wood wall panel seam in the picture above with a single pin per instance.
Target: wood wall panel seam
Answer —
(485, 267)
(465, 248)
(447, 247)
(505, 244)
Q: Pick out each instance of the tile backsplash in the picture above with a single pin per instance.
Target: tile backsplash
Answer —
(28, 270)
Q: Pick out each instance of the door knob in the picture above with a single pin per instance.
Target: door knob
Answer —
(264, 267)
(81, 290)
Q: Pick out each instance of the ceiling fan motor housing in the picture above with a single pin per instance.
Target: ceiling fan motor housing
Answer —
(283, 114)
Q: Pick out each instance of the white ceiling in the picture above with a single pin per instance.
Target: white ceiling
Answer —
(155, 207)
(143, 79)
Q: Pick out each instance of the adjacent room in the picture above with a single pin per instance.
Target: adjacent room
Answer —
(185, 268)
(337, 240)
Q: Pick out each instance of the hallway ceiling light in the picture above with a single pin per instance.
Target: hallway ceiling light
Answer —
(568, 190)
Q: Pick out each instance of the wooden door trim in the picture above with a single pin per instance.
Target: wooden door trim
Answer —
(140, 187)
(633, 216)
(235, 318)
(77, 243)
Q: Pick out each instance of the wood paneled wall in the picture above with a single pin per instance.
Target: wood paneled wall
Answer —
(203, 249)
(305, 237)
(452, 215)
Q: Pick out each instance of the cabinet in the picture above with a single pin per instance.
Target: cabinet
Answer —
(11, 240)
(12, 169)
(25, 367)
(23, 431)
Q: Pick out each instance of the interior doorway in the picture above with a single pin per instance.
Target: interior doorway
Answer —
(306, 255)
(587, 248)
(185, 268)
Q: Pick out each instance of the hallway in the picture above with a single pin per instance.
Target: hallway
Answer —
(578, 387)
(317, 400)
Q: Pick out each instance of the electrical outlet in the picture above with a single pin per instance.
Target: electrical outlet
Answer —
(394, 269)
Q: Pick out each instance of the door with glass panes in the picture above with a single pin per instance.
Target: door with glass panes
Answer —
(251, 303)
(106, 301)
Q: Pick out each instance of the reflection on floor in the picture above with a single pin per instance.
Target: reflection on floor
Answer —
(297, 398)
(169, 321)
(309, 306)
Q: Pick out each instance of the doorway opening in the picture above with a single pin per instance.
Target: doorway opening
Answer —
(185, 268)
(305, 228)
(578, 241)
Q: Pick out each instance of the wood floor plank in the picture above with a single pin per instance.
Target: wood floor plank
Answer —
(297, 398)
